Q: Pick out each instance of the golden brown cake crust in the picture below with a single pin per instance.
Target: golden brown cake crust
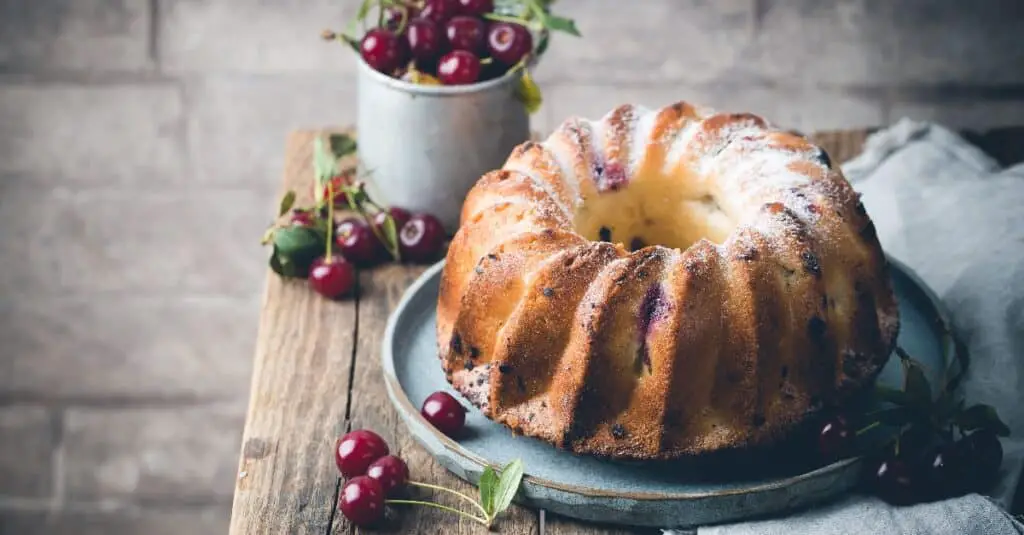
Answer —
(663, 283)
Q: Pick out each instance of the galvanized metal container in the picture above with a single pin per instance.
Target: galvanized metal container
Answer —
(423, 147)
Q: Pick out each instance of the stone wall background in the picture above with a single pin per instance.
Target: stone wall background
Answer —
(141, 146)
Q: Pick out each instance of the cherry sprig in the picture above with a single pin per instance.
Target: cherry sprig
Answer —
(371, 474)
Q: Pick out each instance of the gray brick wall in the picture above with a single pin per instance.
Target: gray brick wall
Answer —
(140, 149)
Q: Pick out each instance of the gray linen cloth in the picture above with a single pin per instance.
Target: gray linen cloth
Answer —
(948, 211)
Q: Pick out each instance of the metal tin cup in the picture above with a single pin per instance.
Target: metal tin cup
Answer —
(423, 147)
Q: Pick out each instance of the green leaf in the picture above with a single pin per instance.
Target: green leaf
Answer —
(896, 416)
(298, 244)
(892, 395)
(528, 92)
(275, 264)
(324, 162)
(542, 44)
(560, 24)
(488, 486)
(342, 145)
(981, 416)
(508, 485)
(391, 235)
(919, 392)
(286, 203)
(364, 9)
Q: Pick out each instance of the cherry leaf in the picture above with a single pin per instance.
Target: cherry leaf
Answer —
(286, 203)
(892, 395)
(296, 239)
(896, 416)
(508, 485)
(324, 163)
(391, 235)
(528, 92)
(488, 486)
(916, 386)
(981, 416)
(342, 145)
(561, 24)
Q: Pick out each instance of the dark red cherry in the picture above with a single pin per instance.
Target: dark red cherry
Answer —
(355, 451)
(336, 186)
(302, 218)
(362, 501)
(332, 277)
(439, 11)
(508, 43)
(475, 7)
(835, 440)
(944, 472)
(894, 482)
(393, 17)
(444, 412)
(983, 454)
(458, 67)
(401, 216)
(391, 472)
(383, 50)
(358, 243)
(466, 33)
(426, 40)
(421, 238)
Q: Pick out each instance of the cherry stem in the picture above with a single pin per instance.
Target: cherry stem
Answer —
(482, 521)
(867, 428)
(451, 491)
(330, 219)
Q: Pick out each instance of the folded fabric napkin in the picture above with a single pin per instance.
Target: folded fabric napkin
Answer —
(948, 211)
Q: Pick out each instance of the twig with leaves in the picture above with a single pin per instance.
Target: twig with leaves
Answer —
(496, 494)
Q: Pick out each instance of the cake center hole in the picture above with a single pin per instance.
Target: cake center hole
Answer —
(672, 211)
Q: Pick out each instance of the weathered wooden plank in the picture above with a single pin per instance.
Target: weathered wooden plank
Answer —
(381, 289)
(287, 479)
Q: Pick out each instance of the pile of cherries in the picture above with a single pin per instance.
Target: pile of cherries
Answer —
(420, 239)
(448, 39)
(371, 473)
(919, 466)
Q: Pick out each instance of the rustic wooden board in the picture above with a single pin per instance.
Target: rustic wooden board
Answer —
(317, 373)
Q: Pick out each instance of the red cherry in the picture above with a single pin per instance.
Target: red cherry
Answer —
(894, 482)
(835, 440)
(401, 216)
(335, 185)
(439, 11)
(508, 43)
(362, 501)
(393, 16)
(444, 412)
(983, 454)
(390, 471)
(354, 452)
(421, 238)
(458, 67)
(302, 218)
(383, 50)
(358, 243)
(476, 7)
(332, 277)
(466, 33)
(425, 39)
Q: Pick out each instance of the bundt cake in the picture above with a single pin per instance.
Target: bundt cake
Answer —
(663, 283)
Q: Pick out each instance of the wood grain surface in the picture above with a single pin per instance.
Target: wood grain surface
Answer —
(317, 374)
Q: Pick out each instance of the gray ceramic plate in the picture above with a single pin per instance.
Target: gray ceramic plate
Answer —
(679, 494)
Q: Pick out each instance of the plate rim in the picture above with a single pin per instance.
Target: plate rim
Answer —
(408, 411)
